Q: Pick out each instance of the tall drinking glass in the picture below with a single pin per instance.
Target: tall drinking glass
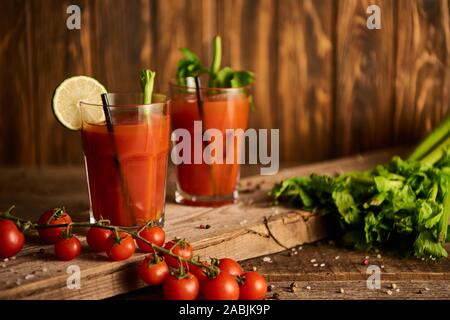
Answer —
(126, 167)
(209, 182)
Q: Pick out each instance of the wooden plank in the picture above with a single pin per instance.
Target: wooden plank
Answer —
(304, 78)
(423, 67)
(364, 77)
(57, 53)
(16, 103)
(250, 228)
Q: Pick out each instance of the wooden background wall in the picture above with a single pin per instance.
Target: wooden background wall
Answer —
(332, 86)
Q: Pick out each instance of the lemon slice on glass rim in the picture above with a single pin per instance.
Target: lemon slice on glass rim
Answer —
(66, 101)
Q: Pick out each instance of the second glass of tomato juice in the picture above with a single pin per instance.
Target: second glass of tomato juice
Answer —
(220, 109)
(126, 166)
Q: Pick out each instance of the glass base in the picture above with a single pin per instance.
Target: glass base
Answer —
(159, 222)
(205, 201)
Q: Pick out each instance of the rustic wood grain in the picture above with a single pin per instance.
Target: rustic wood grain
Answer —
(423, 67)
(364, 77)
(57, 53)
(16, 103)
(304, 78)
(252, 227)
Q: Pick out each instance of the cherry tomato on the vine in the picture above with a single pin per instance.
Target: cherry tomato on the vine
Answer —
(97, 237)
(54, 216)
(223, 287)
(180, 248)
(230, 266)
(11, 239)
(186, 288)
(153, 272)
(198, 272)
(120, 248)
(154, 234)
(253, 286)
(67, 249)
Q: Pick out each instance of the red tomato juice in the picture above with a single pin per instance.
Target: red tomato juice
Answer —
(227, 111)
(142, 150)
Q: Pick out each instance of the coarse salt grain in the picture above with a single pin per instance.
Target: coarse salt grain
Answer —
(315, 264)
(5, 260)
(397, 290)
(336, 258)
(18, 282)
(427, 289)
(322, 264)
(243, 222)
(382, 266)
(13, 258)
(308, 288)
(44, 269)
(342, 290)
(379, 256)
(313, 260)
(29, 276)
(367, 257)
(300, 248)
(267, 259)
(389, 292)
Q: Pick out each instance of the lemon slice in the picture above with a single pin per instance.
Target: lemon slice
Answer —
(67, 97)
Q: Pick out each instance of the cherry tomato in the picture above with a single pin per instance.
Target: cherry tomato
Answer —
(182, 249)
(153, 273)
(155, 235)
(120, 248)
(254, 286)
(223, 287)
(67, 249)
(230, 266)
(97, 237)
(186, 288)
(198, 272)
(11, 239)
(52, 235)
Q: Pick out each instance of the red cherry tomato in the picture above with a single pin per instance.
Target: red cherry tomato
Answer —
(67, 249)
(182, 249)
(120, 248)
(186, 288)
(153, 273)
(198, 272)
(11, 239)
(230, 266)
(155, 235)
(52, 235)
(97, 237)
(254, 286)
(222, 287)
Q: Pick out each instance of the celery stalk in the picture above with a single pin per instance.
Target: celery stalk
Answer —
(147, 81)
(432, 140)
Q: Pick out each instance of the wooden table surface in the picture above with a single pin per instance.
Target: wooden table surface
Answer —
(321, 270)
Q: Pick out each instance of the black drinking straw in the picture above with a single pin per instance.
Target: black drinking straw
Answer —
(109, 126)
(199, 97)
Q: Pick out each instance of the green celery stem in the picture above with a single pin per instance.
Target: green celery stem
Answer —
(436, 154)
(216, 60)
(147, 82)
(432, 140)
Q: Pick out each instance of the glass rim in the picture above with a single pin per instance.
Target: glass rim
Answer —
(173, 83)
(163, 97)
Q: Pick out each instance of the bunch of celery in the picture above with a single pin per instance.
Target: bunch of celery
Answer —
(403, 205)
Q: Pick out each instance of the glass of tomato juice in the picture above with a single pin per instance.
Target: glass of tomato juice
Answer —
(209, 183)
(126, 166)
